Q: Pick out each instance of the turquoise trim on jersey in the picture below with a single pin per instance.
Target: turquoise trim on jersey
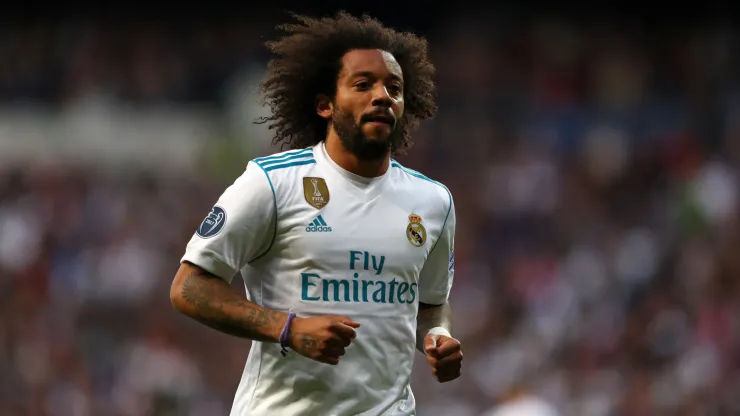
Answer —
(286, 160)
(297, 156)
(416, 174)
(280, 161)
(282, 156)
(274, 199)
(420, 176)
(289, 164)
(267, 165)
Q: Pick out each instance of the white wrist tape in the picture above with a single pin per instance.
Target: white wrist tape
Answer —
(438, 330)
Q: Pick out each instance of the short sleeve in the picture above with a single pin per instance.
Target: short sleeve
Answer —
(437, 274)
(239, 227)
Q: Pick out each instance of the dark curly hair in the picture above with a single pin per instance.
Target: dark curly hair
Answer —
(308, 61)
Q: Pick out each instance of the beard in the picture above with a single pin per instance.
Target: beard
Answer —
(356, 142)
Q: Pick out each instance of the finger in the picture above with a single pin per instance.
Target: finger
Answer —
(447, 346)
(432, 360)
(444, 378)
(447, 371)
(338, 341)
(335, 352)
(343, 330)
(446, 374)
(327, 359)
(349, 322)
(430, 344)
(451, 361)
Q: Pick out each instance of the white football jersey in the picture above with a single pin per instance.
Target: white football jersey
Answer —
(312, 238)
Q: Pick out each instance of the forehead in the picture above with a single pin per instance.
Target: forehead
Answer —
(375, 61)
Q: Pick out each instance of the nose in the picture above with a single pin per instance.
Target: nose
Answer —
(381, 98)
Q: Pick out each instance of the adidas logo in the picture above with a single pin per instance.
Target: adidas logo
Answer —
(318, 226)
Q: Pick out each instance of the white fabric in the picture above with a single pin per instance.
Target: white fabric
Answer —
(350, 257)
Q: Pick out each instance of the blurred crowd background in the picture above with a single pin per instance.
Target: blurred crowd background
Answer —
(593, 163)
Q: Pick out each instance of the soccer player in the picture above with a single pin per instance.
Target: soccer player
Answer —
(346, 255)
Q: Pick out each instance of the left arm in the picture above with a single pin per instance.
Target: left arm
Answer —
(434, 319)
(435, 279)
(432, 316)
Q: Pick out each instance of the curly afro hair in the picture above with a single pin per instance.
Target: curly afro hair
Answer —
(307, 62)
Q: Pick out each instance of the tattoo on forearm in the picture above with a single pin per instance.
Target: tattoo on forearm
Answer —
(217, 306)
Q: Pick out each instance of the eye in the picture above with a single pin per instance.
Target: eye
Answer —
(395, 89)
(362, 85)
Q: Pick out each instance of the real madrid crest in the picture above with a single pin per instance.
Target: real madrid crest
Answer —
(316, 192)
(415, 232)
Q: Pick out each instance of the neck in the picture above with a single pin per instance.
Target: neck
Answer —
(351, 163)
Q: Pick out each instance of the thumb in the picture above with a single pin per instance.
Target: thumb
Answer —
(430, 343)
(350, 322)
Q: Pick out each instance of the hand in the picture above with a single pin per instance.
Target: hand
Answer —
(445, 356)
(322, 338)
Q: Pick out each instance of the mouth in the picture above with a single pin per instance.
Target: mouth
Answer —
(380, 119)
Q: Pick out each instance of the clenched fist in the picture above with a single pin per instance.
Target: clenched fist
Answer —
(322, 338)
(444, 355)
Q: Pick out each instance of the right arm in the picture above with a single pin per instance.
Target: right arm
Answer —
(240, 228)
(211, 301)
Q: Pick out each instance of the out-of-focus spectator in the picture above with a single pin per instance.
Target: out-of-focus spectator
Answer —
(518, 402)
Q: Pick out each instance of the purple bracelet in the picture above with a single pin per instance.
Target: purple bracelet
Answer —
(284, 339)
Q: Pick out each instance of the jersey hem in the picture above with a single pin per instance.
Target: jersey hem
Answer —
(208, 263)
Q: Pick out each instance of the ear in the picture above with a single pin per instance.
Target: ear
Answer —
(324, 106)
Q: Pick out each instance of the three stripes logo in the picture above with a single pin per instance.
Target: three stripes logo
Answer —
(318, 225)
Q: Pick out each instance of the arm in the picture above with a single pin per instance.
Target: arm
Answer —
(435, 280)
(238, 229)
(211, 301)
(432, 316)
(443, 352)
